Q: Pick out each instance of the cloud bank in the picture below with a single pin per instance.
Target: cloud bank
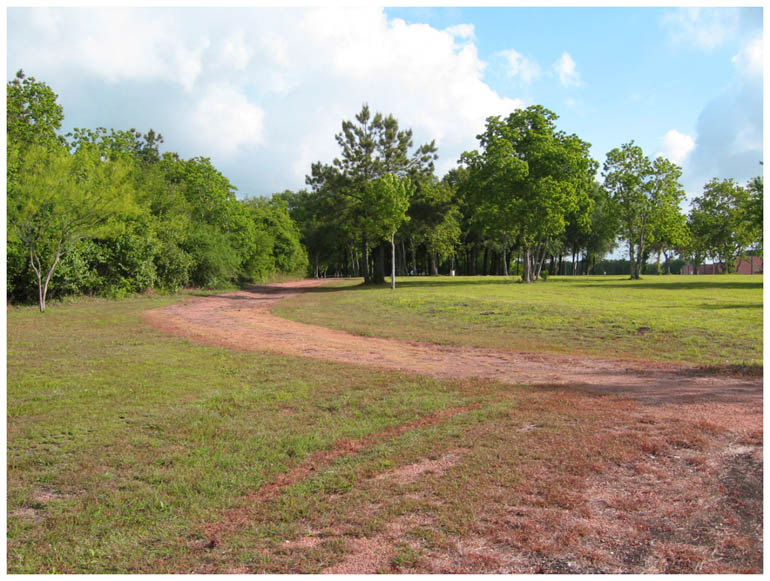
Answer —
(729, 130)
(260, 91)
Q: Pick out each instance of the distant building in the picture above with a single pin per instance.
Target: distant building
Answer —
(748, 265)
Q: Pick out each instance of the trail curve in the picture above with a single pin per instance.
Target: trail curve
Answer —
(242, 320)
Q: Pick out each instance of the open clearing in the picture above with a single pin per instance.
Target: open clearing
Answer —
(134, 450)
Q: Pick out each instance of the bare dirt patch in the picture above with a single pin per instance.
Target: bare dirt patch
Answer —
(242, 320)
(410, 473)
(373, 555)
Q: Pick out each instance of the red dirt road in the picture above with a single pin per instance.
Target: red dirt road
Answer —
(242, 320)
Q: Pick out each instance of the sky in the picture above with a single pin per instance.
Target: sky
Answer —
(262, 91)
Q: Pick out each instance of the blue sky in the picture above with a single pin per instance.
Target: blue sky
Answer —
(262, 91)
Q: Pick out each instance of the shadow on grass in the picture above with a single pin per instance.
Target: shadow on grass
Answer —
(689, 285)
(734, 370)
(513, 281)
(408, 282)
(710, 307)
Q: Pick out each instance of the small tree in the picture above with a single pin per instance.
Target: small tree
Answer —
(387, 199)
(59, 199)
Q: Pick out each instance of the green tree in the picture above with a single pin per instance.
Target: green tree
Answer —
(754, 212)
(371, 146)
(718, 221)
(646, 196)
(669, 233)
(529, 179)
(287, 254)
(318, 220)
(63, 198)
(32, 114)
(434, 219)
(387, 198)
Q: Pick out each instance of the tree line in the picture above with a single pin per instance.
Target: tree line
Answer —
(106, 213)
(527, 201)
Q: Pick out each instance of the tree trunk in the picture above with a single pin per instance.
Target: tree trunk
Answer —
(42, 285)
(379, 265)
(393, 261)
(414, 256)
(635, 259)
(540, 261)
(364, 260)
(527, 274)
(433, 264)
(505, 261)
(404, 265)
(485, 268)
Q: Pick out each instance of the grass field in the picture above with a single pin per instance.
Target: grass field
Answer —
(701, 319)
(132, 451)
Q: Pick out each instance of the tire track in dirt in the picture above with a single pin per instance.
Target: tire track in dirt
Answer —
(250, 504)
(242, 320)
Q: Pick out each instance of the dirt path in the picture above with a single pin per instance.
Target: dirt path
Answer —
(242, 320)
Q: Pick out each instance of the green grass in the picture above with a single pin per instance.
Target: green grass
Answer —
(122, 441)
(714, 320)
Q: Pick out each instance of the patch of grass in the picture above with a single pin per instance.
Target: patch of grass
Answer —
(714, 320)
(121, 440)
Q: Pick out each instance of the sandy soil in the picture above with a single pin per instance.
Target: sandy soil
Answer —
(242, 320)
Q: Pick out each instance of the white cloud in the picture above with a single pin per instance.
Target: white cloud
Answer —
(520, 66)
(235, 52)
(418, 73)
(117, 44)
(224, 121)
(464, 31)
(262, 91)
(729, 141)
(677, 146)
(703, 28)
(566, 69)
(749, 60)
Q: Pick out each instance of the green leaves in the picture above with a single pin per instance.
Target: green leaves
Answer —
(529, 178)
(32, 114)
(646, 196)
(386, 200)
(67, 197)
(719, 221)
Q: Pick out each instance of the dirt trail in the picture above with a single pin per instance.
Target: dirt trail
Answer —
(242, 320)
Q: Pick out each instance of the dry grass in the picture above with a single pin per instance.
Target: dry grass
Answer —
(593, 484)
